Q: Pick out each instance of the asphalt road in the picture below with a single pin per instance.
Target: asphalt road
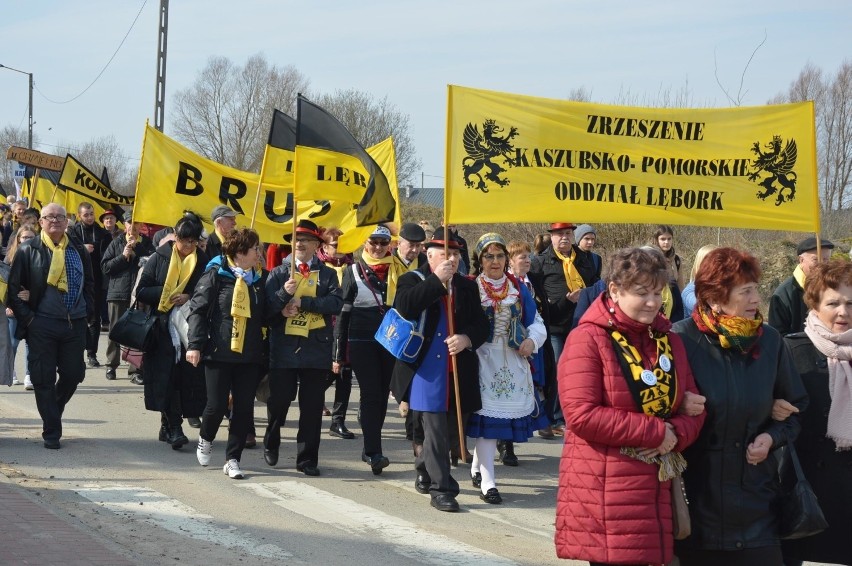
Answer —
(156, 505)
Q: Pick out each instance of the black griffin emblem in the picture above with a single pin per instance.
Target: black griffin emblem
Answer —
(482, 149)
(777, 165)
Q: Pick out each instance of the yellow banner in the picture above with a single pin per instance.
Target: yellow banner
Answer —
(173, 178)
(513, 158)
(79, 179)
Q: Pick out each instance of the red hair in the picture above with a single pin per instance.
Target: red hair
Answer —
(830, 275)
(721, 270)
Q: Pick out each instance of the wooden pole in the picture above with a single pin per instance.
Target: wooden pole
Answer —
(451, 331)
(260, 187)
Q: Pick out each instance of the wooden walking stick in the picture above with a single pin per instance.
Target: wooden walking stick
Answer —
(450, 332)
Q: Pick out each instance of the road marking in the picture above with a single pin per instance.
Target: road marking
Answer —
(160, 510)
(406, 538)
(492, 514)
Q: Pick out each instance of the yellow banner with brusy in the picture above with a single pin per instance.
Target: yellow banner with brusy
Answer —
(514, 158)
(173, 178)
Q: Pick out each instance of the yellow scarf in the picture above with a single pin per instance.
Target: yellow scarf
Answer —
(668, 301)
(56, 277)
(304, 322)
(395, 271)
(572, 276)
(799, 276)
(180, 270)
(240, 311)
(220, 235)
(4, 291)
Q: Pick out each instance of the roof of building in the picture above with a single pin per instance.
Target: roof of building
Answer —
(431, 196)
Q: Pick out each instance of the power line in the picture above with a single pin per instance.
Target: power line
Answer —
(102, 70)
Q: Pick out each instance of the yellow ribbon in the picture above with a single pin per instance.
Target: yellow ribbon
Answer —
(304, 322)
(799, 276)
(180, 270)
(572, 277)
(56, 276)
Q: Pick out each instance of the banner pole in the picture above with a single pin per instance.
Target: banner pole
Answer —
(260, 186)
(139, 176)
(450, 318)
(817, 227)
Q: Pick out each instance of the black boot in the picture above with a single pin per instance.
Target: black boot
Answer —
(164, 433)
(507, 453)
(176, 437)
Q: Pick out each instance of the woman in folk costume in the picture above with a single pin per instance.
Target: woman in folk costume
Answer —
(227, 328)
(631, 407)
(509, 410)
(168, 281)
(302, 302)
(369, 287)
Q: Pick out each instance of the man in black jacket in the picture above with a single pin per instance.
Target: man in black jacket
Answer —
(120, 265)
(787, 310)
(95, 239)
(427, 383)
(57, 272)
(224, 222)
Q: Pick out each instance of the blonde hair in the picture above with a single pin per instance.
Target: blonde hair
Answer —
(699, 257)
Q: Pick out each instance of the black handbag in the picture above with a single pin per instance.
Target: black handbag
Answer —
(135, 329)
(801, 515)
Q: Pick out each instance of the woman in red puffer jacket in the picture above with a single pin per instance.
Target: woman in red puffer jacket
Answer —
(630, 407)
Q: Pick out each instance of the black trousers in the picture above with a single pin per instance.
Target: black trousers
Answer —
(56, 347)
(240, 380)
(434, 461)
(764, 556)
(374, 366)
(93, 323)
(284, 384)
(342, 392)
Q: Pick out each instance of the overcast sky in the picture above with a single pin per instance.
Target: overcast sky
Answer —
(407, 51)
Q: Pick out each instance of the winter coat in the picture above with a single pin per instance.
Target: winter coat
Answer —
(210, 321)
(828, 471)
(612, 508)
(119, 271)
(548, 268)
(160, 370)
(29, 271)
(787, 309)
(313, 351)
(732, 503)
(414, 295)
(99, 238)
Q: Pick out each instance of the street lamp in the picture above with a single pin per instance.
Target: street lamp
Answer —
(30, 135)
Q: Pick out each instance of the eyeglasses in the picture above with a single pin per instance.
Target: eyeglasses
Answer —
(494, 257)
(55, 218)
(305, 240)
(378, 243)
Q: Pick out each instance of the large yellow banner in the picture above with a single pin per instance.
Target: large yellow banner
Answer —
(173, 178)
(514, 158)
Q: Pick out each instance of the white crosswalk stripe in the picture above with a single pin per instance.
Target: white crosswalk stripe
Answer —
(160, 510)
(406, 538)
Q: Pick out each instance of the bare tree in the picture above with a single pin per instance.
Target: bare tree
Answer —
(104, 152)
(225, 115)
(9, 136)
(372, 120)
(833, 106)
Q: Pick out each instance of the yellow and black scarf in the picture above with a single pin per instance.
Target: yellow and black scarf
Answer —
(572, 277)
(304, 322)
(654, 391)
(734, 332)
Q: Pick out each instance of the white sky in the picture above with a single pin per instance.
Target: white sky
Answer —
(407, 51)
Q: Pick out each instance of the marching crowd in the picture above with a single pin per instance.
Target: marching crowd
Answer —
(663, 391)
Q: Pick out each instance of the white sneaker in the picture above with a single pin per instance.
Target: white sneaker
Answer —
(204, 450)
(232, 470)
(28, 384)
(15, 380)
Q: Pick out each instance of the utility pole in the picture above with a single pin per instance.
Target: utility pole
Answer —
(30, 132)
(160, 93)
